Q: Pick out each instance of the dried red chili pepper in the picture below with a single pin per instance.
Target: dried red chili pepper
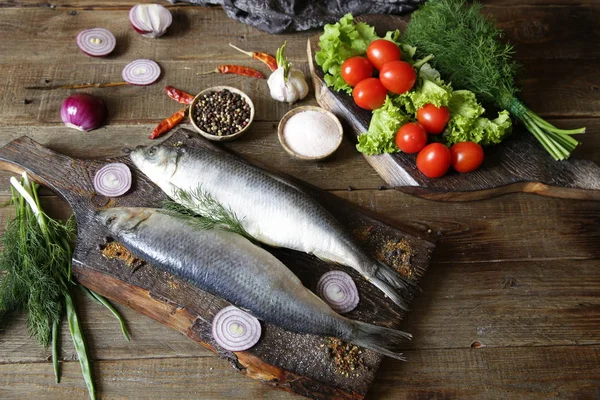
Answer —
(257, 55)
(179, 95)
(168, 124)
(235, 69)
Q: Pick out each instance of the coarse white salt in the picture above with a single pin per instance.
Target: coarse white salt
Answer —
(311, 134)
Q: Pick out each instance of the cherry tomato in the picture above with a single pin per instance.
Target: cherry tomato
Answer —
(356, 69)
(369, 94)
(434, 160)
(466, 156)
(397, 76)
(433, 119)
(411, 138)
(381, 51)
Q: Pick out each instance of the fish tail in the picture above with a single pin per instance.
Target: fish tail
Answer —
(380, 339)
(389, 291)
(390, 276)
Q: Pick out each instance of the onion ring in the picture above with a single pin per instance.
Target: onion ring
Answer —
(339, 291)
(235, 330)
(141, 72)
(96, 42)
(113, 180)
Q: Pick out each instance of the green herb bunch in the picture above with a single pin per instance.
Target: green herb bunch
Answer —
(469, 53)
(35, 275)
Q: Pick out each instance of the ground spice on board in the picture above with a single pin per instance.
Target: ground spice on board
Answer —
(347, 358)
(116, 250)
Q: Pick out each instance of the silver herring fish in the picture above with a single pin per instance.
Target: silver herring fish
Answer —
(230, 266)
(271, 210)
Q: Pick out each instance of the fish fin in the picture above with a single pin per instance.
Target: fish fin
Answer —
(389, 291)
(380, 339)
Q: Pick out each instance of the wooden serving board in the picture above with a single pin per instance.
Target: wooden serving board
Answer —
(518, 164)
(294, 362)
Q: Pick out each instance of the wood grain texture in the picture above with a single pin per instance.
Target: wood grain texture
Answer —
(576, 93)
(547, 32)
(494, 373)
(516, 373)
(536, 312)
(307, 369)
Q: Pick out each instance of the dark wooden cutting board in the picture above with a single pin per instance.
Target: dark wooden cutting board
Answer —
(294, 362)
(518, 164)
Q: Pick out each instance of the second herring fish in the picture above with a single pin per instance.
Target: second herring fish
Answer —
(230, 266)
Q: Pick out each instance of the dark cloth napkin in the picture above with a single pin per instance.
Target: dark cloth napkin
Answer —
(278, 16)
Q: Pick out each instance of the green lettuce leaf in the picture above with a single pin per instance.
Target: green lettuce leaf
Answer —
(467, 124)
(404, 102)
(393, 36)
(430, 92)
(340, 41)
(492, 131)
(465, 104)
(408, 52)
(384, 124)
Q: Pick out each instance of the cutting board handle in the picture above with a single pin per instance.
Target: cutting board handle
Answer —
(67, 176)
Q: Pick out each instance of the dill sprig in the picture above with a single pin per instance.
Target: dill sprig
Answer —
(203, 211)
(469, 52)
(35, 275)
(35, 278)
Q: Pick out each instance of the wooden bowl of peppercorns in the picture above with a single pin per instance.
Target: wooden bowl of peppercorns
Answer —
(221, 113)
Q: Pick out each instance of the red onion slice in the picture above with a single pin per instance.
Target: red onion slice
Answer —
(338, 290)
(150, 20)
(235, 330)
(96, 42)
(141, 72)
(113, 180)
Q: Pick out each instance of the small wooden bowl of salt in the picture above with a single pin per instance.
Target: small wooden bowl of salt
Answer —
(310, 133)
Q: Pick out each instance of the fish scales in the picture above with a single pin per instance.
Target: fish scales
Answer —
(230, 266)
(271, 210)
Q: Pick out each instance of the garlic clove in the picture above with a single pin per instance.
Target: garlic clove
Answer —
(150, 20)
(299, 83)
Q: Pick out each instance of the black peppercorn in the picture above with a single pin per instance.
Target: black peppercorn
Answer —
(221, 112)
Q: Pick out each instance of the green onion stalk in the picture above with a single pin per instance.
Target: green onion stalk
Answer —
(35, 275)
(469, 53)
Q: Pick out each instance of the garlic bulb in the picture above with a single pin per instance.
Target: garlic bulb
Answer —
(289, 91)
(287, 84)
(150, 20)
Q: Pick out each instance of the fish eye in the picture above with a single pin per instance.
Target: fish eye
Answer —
(111, 219)
(151, 150)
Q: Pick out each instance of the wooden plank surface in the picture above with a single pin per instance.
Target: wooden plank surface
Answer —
(517, 274)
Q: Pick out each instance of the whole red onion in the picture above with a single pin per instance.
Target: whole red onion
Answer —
(83, 112)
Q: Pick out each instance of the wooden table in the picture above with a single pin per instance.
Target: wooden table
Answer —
(510, 306)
